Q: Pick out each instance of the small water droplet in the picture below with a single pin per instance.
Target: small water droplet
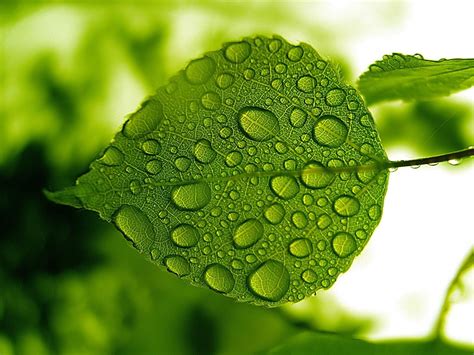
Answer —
(316, 176)
(151, 147)
(299, 219)
(211, 101)
(237, 52)
(454, 162)
(375, 212)
(224, 80)
(298, 117)
(178, 265)
(274, 213)
(306, 83)
(182, 163)
(346, 206)
(335, 97)
(200, 70)
(185, 235)
(219, 278)
(204, 152)
(301, 247)
(112, 156)
(237, 264)
(324, 221)
(270, 280)
(284, 186)
(135, 187)
(233, 159)
(309, 276)
(258, 124)
(281, 147)
(247, 233)
(154, 166)
(280, 68)
(135, 226)
(344, 244)
(274, 45)
(192, 196)
(330, 131)
(295, 53)
(361, 234)
(145, 120)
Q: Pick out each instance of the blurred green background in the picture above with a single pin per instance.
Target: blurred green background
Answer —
(69, 73)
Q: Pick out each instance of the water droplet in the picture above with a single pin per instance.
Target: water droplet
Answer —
(375, 212)
(237, 264)
(225, 132)
(344, 244)
(321, 245)
(258, 124)
(281, 147)
(306, 83)
(316, 176)
(335, 97)
(145, 120)
(274, 45)
(365, 120)
(185, 235)
(112, 157)
(298, 117)
(182, 163)
(233, 159)
(346, 206)
(219, 278)
(135, 226)
(361, 234)
(274, 213)
(249, 74)
(192, 196)
(308, 199)
(324, 221)
(367, 171)
(135, 187)
(284, 186)
(301, 248)
(224, 80)
(332, 271)
(200, 70)
(280, 68)
(277, 84)
(178, 265)
(454, 162)
(247, 233)
(237, 52)
(211, 101)
(270, 280)
(309, 276)
(367, 149)
(151, 147)
(295, 53)
(299, 219)
(330, 131)
(204, 152)
(153, 166)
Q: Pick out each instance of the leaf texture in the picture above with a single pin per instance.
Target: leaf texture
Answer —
(240, 175)
(407, 77)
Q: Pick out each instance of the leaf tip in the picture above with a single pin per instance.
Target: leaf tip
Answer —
(66, 197)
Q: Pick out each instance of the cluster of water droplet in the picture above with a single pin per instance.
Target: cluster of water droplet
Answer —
(235, 175)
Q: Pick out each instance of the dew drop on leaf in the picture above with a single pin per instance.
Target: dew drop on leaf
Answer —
(200, 70)
(330, 131)
(237, 52)
(270, 280)
(284, 186)
(135, 226)
(346, 206)
(274, 213)
(335, 97)
(191, 197)
(185, 235)
(178, 265)
(219, 278)
(301, 247)
(112, 157)
(258, 124)
(344, 244)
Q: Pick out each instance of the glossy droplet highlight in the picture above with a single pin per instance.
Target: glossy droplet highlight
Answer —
(274, 213)
(112, 156)
(316, 176)
(247, 233)
(237, 52)
(284, 186)
(191, 197)
(346, 206)
(306, 83)
(298, 117)
(330, 131)
(185, 235)
(301, 247)
(135, 226)
(343, 244)
(219, 278)
(178, 265)
(204, 152)
(270, 281)
(200, 70)
(151, 147)
(335, 97)
(145, 120)
(258, 124)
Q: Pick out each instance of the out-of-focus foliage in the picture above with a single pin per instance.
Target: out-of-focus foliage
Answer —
(407, 77)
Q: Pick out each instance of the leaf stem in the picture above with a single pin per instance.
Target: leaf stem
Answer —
(453, 156)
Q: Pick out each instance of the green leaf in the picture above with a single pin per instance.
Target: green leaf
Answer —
(407, 77)
(241, 174)
(329, 344)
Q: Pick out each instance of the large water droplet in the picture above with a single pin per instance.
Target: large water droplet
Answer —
(330, 131)
(237, 52)
(306, 83)
(301, 247)
(344, 244)
(200, 70)
(112, 157)
(135, 226)
(211, 101)
(295, 53)
(191, 197)
(335, 97)
(151, 147)
(316, 176)
(247, 233)
(219, 278)
(145, 120)
(258, 124)
(224, 80)
(346, 206)
(284, 186)
(270, 280)
(178, 265)
(204, 152)
(274, 213)
(185, 235)
(299, 219)
(298, 117)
